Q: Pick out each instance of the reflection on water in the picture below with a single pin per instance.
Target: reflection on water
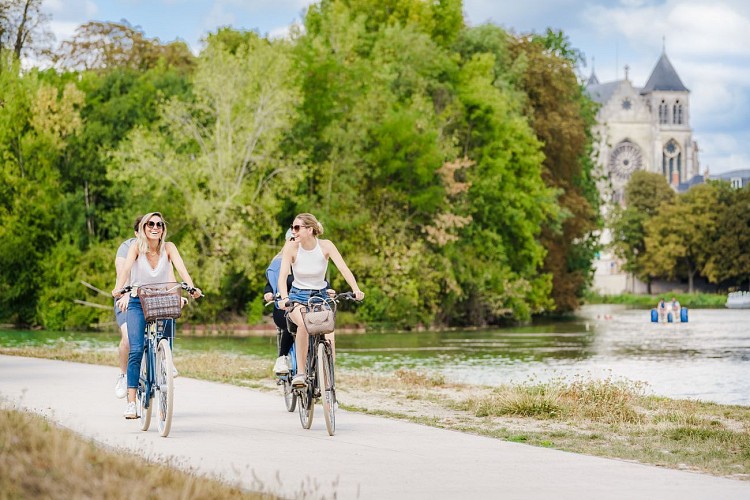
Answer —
(707, 358)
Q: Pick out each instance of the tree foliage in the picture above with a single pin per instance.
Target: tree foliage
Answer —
(644, 194)
(448, 164)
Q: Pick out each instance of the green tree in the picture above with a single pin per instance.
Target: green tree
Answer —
(215, 164)
(644, 194)
(562, 118)
(729, 257)
(679, 238)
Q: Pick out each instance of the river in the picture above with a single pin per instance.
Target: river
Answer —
(707, 358)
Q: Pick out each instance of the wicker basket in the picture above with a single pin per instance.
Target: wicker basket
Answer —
(159, 303)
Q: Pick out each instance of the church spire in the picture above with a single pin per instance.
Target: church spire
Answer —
(664, 77)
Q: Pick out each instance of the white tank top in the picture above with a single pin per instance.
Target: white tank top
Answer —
(309, 268)
(143, 274)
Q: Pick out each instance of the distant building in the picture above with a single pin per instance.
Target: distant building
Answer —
(738, 178)
(644, 128)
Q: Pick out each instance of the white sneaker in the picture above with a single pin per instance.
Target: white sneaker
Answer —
(299, 380)
(281, 367)
(121, 386)
(130, 411)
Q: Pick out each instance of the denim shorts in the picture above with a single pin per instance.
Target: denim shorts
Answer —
(302, 296)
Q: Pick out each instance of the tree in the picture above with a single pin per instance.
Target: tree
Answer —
(644, 194)
(679, 238)
(214, 161)
(23, 27)
(729, 256)
(106, 46)
(562, 118)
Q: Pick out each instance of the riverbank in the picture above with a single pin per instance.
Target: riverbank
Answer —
(690, 300)
(609, 418)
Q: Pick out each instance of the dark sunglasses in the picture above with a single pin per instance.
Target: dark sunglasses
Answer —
(296, 227)
(159, 224)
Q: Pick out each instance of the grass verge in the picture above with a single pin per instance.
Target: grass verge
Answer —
(607, 418)
(40, 460)
(690, 300)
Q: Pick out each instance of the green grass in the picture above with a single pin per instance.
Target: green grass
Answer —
(690, 300)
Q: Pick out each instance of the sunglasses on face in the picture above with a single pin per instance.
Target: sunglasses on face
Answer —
(158, 224)
(297, 227)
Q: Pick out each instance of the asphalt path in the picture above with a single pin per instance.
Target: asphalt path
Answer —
(247, 436)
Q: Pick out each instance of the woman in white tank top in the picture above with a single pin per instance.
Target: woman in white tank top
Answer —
(308, 257)
(149, 261)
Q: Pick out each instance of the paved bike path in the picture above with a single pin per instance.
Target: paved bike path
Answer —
(247, 436)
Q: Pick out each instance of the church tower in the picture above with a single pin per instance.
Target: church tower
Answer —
(644, 128)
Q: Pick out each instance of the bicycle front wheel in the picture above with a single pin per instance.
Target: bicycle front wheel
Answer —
(143, 394)
(164, 387)
(327, 390)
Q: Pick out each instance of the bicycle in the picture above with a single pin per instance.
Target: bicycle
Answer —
(156, 380)
(319, 373)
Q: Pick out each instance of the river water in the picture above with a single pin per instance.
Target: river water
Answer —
(707, 358)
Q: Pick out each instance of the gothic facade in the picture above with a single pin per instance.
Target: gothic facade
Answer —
(644, 128)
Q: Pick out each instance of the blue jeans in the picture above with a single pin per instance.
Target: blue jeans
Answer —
(136, 337)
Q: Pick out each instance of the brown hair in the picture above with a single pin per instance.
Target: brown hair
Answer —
(310, 221)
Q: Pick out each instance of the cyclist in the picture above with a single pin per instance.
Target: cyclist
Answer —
(149, 261)
(282, 365)
(307, 257)
(121, 307)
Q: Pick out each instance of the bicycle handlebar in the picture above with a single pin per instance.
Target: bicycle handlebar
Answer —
(336, 298)
(189, 289)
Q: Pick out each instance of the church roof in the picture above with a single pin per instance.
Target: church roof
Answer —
(593, 80)
(601, 92)
(664, 77)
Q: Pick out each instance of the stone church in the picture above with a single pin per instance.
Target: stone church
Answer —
(640, 128)
(644, 128)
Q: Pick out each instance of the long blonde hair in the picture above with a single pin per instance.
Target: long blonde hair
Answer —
(310, 221)
(143, 240)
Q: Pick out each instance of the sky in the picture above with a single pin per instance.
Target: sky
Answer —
(707, 41)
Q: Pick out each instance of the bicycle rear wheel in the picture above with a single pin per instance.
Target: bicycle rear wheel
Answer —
(142, 395)
(164, 387)
(327, 390)
(306, 406)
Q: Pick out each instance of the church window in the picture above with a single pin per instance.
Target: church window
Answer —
(663, 112)
(677, 112)
(625, 159)
(671, 162)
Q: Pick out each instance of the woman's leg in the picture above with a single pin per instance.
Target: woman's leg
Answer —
(136, 327)
(301, 341)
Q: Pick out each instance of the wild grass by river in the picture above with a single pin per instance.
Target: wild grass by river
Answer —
(608, 418)
(689, 300)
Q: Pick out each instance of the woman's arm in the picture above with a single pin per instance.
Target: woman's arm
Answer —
(286, 268)
(174, 256)
(123, 276)
(330, 249)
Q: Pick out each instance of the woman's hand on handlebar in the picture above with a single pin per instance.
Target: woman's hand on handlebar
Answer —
(359, 295)
(117, 293)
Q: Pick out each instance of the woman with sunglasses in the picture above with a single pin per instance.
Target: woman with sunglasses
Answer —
(149, 261)
(307, 256)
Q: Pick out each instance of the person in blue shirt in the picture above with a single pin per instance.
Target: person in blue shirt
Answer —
(283, 364)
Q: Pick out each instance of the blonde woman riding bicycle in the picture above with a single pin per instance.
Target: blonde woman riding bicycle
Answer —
(307, 256)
